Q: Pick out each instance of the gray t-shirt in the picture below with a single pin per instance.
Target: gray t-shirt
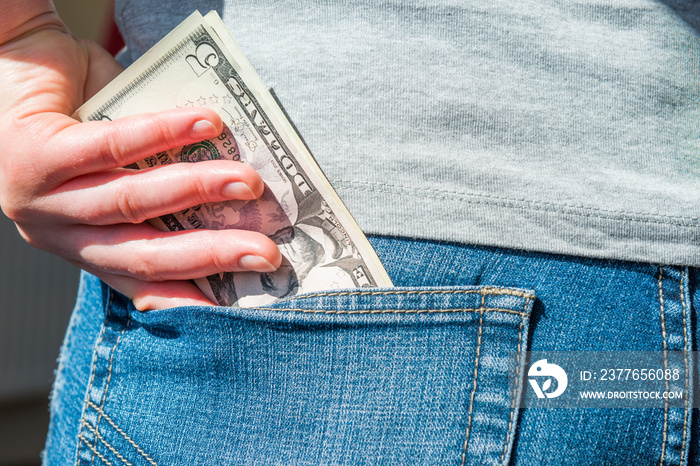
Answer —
(562, 126)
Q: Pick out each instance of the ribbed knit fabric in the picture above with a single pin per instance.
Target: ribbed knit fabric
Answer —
(559, 126)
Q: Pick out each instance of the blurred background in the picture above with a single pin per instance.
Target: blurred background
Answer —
(37, 293)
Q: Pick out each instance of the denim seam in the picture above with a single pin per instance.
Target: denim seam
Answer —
(665, 348)
(476, 377)
(482, 291)
(109, 370)
(685, 364)
(395, 311)
(517, 385)
(123, 434)
(107, 444)
(81, 437)
(94, 451)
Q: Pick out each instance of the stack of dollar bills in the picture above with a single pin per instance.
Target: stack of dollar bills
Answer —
(199, 64)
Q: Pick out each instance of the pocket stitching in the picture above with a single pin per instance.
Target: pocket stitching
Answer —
(517, 386)
(483, 291)
(685, 362)
(394, 311)
(82, 439)
(106, 443)
(476, 378)
(120, 431)
(664, 437)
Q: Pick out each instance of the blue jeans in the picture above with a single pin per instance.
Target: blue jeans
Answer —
(416, 374)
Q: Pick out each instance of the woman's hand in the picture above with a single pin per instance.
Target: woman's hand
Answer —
(61, 181)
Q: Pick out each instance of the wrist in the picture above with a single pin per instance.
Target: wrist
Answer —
(19, 18)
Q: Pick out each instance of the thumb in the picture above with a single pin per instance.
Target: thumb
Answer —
(102, 68)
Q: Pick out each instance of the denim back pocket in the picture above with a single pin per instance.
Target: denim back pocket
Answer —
(387, 376)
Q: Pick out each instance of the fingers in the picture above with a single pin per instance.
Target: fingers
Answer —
(128, 196)
(104, 145)
(144, 253)
(148, 296)
(52, 167)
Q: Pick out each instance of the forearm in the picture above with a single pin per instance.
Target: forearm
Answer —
(20, 17)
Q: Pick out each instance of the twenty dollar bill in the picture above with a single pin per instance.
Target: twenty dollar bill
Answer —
(199, 64)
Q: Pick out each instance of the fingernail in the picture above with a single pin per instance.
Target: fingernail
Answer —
(255, 264)
(237, 190)
(203, 129)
